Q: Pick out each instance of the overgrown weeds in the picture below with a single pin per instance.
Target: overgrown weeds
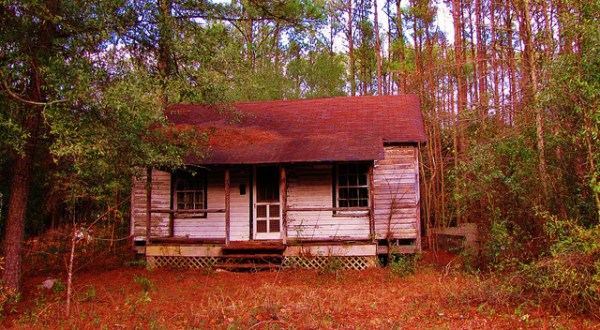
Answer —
(403, 264)
(565, 276)
(8, 296)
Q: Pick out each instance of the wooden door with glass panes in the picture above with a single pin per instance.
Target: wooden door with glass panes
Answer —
(267, 207)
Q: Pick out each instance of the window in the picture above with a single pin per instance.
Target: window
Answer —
(352, 185)
(190, 191)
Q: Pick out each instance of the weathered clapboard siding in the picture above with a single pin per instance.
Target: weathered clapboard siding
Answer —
(213, 226)
(161, 199)
(395, 197)
(396, 193)
(311, 187)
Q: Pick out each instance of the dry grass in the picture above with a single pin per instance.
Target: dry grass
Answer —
(135, 298)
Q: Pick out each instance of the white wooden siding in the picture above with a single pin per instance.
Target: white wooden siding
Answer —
(396, 193)
(311, 187)
(213, 226)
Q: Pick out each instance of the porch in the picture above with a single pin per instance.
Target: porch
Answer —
(260, 255)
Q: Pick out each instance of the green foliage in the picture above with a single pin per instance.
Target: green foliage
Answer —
(568, 277)
(402, 264)
(318, 74)
(8, 296)
(58, 286)
(90, 294)
(497, 179)
(144, 282)
(139, 262)
(332, 266)
(503, 247)
(573, 102)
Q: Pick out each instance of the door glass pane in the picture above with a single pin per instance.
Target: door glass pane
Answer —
(267, 184)
(261, 226)
(261, 211)
(274, 225)
(274, 211)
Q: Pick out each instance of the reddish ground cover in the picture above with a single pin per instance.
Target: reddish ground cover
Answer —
(131, 297)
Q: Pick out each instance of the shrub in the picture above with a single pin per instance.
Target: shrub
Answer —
(8, 296)
(568, 277)
(503, 248)
(402, 265)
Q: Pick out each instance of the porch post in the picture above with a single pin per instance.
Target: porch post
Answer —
(148, 204)
(371, 203)
(227, 205)
(284, 209)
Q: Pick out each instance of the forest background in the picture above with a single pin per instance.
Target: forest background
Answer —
(510, 94)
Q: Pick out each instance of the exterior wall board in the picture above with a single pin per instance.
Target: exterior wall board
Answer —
(161, 198)
(395, 197)
(310, 186)
(396, 193)
(213, 226)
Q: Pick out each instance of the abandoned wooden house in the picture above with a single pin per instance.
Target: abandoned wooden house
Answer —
(287, 183)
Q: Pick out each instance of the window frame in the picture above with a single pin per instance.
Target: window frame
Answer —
(337, 186)
(186, 177)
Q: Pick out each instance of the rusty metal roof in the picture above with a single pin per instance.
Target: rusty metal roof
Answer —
(313, 130)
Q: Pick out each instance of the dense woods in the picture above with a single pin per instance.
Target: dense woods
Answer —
(510, 91)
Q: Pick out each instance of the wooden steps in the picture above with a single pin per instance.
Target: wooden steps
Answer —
(251, 256)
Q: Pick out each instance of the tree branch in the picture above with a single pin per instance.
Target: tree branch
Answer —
(20, 99)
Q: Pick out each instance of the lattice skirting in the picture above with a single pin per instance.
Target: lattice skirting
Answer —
(181, 262)
(323, 262)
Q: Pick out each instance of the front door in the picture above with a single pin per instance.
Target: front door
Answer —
(267, 210)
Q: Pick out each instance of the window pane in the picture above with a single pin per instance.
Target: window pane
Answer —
(190, 191)
(261, 211)
(363, 193)
(198, 201)
(274, 225)
(362, 180)
(343, 193)
(274, 211)
(261, 226)
(352, 183)
(267, 184)
(343, 180)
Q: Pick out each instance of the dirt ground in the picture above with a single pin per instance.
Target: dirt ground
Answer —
(127, 296)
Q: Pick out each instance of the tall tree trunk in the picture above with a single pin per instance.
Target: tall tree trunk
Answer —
(461, 95)
(495, 66)
(532, 92)
(165, 62)
(12, 244)
(401, 49)
(481, 59)
(512, 68)
(351, 58)
(565, 42)
(378, 50)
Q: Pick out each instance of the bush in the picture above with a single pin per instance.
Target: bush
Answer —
(8, 296)
(568, 277)
(402, 265)
(503, 248)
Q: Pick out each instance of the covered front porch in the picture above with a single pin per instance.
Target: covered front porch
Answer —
(228, 215)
